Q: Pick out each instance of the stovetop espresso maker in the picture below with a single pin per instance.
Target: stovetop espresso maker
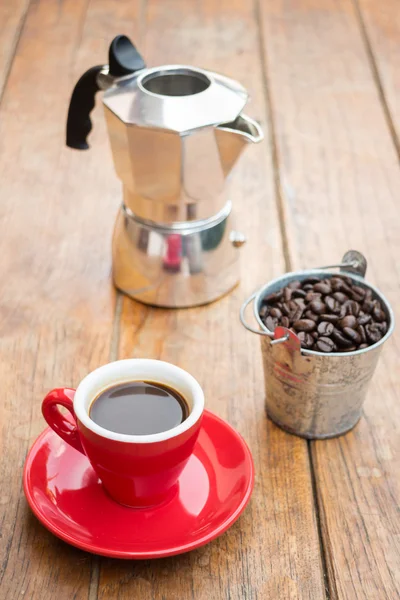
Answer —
(175, 132)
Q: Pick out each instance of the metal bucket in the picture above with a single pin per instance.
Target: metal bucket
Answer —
(308, 393)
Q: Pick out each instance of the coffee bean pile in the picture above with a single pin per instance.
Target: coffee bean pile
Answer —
(328, 315)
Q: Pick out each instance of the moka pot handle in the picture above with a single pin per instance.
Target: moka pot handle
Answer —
(124, 59)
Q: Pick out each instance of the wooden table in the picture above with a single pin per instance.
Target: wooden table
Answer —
(323, 522)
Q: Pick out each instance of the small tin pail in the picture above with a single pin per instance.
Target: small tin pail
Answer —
(308, 393)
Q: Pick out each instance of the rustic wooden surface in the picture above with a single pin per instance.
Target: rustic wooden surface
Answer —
(323, 521)
(339, 178)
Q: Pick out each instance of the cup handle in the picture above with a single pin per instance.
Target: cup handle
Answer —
(57, 421)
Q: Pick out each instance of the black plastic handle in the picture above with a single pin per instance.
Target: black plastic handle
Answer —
(124, 59)
(79, 124)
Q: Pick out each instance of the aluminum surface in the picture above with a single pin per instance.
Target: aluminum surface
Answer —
(169, 178)
(176, 132)
(177, 98)
(175, 267)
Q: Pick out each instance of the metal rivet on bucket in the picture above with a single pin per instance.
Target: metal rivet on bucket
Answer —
(309, 393)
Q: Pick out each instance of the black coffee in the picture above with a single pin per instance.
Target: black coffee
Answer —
(139, 408)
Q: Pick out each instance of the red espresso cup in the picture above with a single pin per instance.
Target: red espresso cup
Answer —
(136, 470)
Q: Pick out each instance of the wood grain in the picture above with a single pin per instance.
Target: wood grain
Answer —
(56, 298)
(337, 177)
(273, 551)
(380, 23)
(12, 17)
(339, 182)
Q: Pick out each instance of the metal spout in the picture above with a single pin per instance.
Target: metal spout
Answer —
(232, 137)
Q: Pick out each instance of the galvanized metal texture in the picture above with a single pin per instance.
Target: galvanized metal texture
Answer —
(308, 393)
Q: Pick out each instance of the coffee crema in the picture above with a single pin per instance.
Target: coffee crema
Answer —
(139, 408)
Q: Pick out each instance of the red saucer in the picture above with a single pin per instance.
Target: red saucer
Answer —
(65, 494)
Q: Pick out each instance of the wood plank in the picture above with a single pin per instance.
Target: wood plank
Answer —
(339, 182)
(273, 551)
(12, 17)
(57, 300)
(381, 27)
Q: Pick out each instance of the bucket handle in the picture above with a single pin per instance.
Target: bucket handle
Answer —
(243, 318)
(274, 340)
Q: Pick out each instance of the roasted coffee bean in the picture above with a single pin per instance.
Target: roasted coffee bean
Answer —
(378, 313)
(373, 333)
(332, 304)
(285, 322)
(310, 315)
(340, 297)
(299, 294)
(318, 307)
(359, 290)
(325, 344)
(382, 327)
(349, 321)
(287, 294)
(304, 325)
(350, 307)
(347, 280)
(347, 290)
(330, 318)
(297, 314)
(341, 339)
(352, 334)
(356, 297)
(300, 302)
(363, 319)
(368, 306)
(368, 294)
(306, 339)
(274, 297)
(275, 312)
(323, 287)
(361, 331)
(271, 323)
(311, 295)
(349, 316)
(325, 328)
(337, 284)
(340, 285)
(293, 310)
